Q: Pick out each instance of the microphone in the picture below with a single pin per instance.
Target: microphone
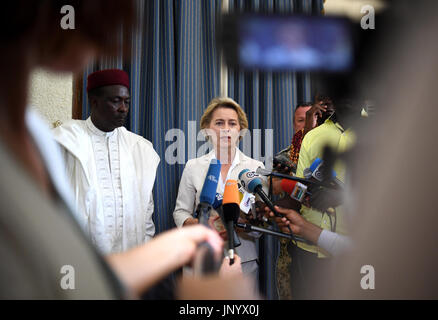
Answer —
(264, 172)
(317, 171)
(217, 205)
(205, 261)
(248, 228)
(231, 211)
(208, 192)
(296, 190)
(309, 180)
(251, 182)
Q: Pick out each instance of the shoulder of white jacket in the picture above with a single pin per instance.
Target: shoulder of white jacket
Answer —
(199, 162)
(70, 125)
(70, 132)
(138, 140)
(245, 159)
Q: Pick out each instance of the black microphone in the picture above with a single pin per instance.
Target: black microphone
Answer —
(231, 210)
(217, 205)
(204, 261)
(265, 172)
(251, 182)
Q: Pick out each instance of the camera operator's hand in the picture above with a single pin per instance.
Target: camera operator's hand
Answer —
(281, 166)
(312, 114)
(215, 223)
(260, 210)
(162, 255)
(190, 221)
(227, 270)
(299, 226)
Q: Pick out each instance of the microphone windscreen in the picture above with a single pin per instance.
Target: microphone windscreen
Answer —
(231, 201)
(242, 173)
(288, 185)
(294, 189)
(208, 193)
(315, 164)
(249, 180)
(231, 193)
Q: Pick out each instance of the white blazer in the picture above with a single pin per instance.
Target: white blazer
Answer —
(190, 188)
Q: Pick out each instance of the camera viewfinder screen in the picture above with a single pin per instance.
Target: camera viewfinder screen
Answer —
(297, 43)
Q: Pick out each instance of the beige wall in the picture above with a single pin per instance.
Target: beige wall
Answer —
(51, 95)
(351, 8)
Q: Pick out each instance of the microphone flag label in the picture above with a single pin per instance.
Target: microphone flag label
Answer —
(245, 204)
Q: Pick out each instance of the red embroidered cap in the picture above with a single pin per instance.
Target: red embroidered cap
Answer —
(107, 77)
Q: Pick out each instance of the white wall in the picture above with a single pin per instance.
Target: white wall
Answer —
(51, 95)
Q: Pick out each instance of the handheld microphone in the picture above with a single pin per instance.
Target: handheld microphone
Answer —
(326, 196)
(217, 205)
(265, 172)
(296, 190)
(231, 211)
(309, 180)
(204, 261)
(208, 192)
(316, 168)
(251, 182)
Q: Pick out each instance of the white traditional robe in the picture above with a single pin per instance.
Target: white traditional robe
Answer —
(112, 175)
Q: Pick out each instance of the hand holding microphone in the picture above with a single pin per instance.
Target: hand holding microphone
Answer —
(293, 221)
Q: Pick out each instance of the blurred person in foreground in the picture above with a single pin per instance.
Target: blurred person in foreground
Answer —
(392, 203)
(39, 235)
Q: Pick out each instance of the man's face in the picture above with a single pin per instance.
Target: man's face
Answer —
(300, 118)
(110, 109)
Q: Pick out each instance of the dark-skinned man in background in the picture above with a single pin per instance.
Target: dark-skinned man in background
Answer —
(111, 169)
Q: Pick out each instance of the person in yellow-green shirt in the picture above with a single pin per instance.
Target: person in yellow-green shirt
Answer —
(309, 262)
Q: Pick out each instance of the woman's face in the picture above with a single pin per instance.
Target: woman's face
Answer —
(225, 127)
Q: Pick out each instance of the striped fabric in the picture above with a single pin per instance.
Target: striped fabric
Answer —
(174, 70)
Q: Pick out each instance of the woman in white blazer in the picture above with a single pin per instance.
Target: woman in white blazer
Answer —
(222, 123)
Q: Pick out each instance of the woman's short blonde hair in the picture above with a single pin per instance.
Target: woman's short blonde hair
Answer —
(223, 102)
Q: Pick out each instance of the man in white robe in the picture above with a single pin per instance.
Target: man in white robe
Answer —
(112, 171)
